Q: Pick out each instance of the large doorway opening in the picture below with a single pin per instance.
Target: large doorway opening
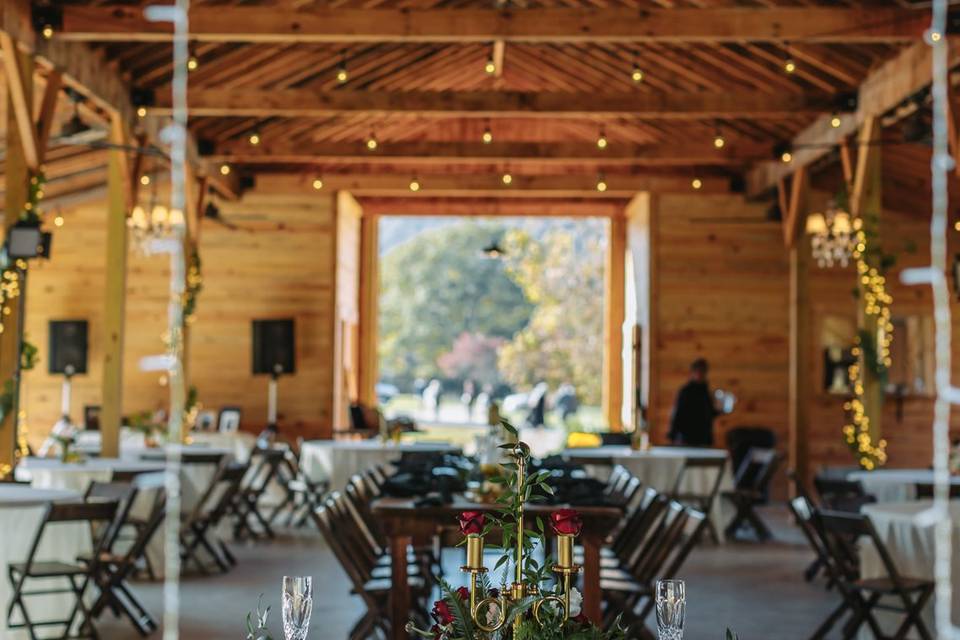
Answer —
(480, 311)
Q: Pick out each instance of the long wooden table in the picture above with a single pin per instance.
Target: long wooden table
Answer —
(405, 524)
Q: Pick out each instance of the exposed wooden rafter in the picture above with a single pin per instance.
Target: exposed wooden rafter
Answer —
(323, 24)
(284, 152)
(670, 105)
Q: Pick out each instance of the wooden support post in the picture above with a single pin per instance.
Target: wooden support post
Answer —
(114, 294)
(48, 110)
(613, 296)
(369, 298)
(866, 204)
(18, 69)
(16, 192)
(800, 389)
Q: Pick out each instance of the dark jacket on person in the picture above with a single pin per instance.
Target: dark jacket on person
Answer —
(692, 420)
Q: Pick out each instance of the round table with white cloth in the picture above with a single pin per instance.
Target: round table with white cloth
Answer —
(895, 485)
(21, 512)
(240, 443)
(911, 546)
(337, 460)
(659, 467)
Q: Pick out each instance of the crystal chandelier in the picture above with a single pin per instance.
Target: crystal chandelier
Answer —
(831, 238)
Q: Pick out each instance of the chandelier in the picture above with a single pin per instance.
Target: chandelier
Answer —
(831, 236)
(153, 222)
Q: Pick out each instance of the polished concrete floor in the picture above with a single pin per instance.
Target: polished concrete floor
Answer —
(755, 589)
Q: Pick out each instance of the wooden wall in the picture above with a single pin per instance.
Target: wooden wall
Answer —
(720, 287)
(279, 262)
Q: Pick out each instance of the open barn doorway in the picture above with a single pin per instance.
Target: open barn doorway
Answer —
(506, 312)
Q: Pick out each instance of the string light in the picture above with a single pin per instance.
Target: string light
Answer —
(58, 221)
(414, 185)
(254, 138)
(876, 305)
(192, 63)
(342, 75)
(718, 141)
(487, 136)
(141, 112)
(318, 183)
(602, 140)
(789, 65)
(491, 66)
(697, 184)
(372, 142)
(224, 169)
(786, 157)
(47, 31)
(835, 121)
(144, 180)
(601, 183)
(637, 73)
(507, 178)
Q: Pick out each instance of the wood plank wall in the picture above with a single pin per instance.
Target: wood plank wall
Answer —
(278, 263)
(721, 283)
(722, 293)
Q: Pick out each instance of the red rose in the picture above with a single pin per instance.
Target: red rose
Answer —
(464, 593)
(566, 522)
(442, 613)
(472, 522)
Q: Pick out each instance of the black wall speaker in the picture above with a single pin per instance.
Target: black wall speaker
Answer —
(68, 346)
(273, 346)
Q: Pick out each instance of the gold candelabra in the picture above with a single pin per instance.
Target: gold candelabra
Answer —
(519, 590)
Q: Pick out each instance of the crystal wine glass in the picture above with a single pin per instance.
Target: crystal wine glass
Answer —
(671, 606)
(297, 606)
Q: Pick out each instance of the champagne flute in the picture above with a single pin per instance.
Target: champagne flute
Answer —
(671, 598)
(297, 606)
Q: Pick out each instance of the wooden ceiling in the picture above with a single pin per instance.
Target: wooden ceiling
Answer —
(563, 78)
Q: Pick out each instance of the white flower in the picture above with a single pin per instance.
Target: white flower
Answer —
(493, 614)
(576, 603)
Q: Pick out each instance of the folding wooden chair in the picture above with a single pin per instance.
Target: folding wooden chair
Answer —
(340, 534)
(800, 491)
(302, 495)
(117, 567)
(701, 501)
(843, 533)
(199, 524)
(840, 494)
(124, 494)
(751, 483)
(99, 516)
(264, 465)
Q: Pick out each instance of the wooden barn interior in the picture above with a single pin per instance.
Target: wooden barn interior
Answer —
(707, 133)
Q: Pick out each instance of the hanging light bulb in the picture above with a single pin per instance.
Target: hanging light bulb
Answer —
(318, 183)
(144, 180)
(697, 184)
(789, 65)
(254, 137)
(602, 140)
(718, 141)
(141, 112)
(58, 221)
(342, 75)
(786, 157)
(835, 120)
(491, 66)
(601, 183)
(224, 169)
(487, 136)
(372, 142)
(192, 63)
(507, 178)
(414, 184)
(637, 74)
(47, 31)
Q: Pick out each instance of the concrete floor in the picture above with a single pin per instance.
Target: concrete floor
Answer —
(755, 589)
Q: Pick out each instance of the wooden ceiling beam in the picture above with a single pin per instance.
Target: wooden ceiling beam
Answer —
(319, 103)
(324, 24)
(298, 152)
(883, 90)
(492, 207)
(489, 186)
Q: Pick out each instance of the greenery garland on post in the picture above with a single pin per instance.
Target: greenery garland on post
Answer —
(194, 286)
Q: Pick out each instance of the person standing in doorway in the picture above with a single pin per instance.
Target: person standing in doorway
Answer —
(691, 422)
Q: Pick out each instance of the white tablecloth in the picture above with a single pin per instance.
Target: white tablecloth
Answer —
(338, 460)
(911, 547)
(239, 443)
(52, 473)
(21, 512)
(658, 467)
(895, 485)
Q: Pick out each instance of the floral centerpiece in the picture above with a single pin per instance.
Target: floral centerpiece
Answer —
(540, 603)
